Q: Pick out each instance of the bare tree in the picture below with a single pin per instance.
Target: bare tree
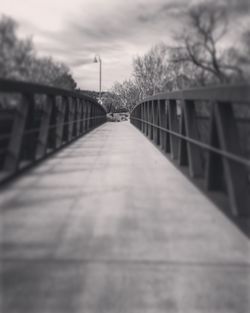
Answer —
(242, 54)
(151, 70)
(127, 93)
(199, 43)
(111, 101)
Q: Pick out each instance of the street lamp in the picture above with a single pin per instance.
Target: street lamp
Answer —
(98, 59)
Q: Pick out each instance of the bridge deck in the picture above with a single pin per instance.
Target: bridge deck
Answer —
(110, 225)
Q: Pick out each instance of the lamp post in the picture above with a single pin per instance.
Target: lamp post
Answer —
(98, 59)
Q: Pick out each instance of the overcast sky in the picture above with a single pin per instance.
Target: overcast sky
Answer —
(73, 31)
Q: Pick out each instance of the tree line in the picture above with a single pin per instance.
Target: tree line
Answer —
(200, 56)
(19, 60)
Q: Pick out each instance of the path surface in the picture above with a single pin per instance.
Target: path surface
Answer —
(109, 225)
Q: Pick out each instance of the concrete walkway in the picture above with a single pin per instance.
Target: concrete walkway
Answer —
(109, 225)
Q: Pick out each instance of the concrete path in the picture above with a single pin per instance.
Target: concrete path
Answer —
(109, 225)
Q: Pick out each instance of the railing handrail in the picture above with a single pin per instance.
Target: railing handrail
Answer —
(13, 86)
(234, 93)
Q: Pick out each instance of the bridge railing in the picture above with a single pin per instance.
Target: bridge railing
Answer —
(208, 130)
(36, 120)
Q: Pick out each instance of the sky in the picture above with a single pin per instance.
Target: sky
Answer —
(74, 31)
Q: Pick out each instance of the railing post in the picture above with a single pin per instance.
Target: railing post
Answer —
(71, 120)
(154, 116)
(182, 150)
(142, 117)
(88, 114)
(52, 124)
(94, 113)
(150, 117)
(164, 136)
(224, 134)
(135, 115)
(214, 179)
(138, 116)
(17, 134)
(81, 104)
(60, 121)
(147, 118)
(75, 117)
(173, 125)
(189, 154)
(194, 155)
(84, 116)
(158, 123)
(91, 115)
(44, 127)
(139, 123)
(78, 116)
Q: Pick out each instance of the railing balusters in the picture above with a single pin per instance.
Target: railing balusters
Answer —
(158, 122)
(178, 133)
(41, 127)
(173, 125)
(145, 118)
(142, 118)
(88, 115)
(44, 127)
(71, 121)
(225, 136)
(150, 117)
(194, 155)
(162, 124)
(78, 117)
(214, 167)
(62, 117)
(65, 121)
(52, 125)
(17, 135)
(75, 117)
(154, 111)
(93, 116)
(29, 140)
(81, 114)
(183, 157)
(84, 116)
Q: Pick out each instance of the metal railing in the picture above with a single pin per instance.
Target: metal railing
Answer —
(37, 120)
(208, 130)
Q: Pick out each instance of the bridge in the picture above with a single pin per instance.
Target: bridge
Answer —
(147, 216)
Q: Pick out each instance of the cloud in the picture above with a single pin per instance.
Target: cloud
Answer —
(74, 31)
(163, 12)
